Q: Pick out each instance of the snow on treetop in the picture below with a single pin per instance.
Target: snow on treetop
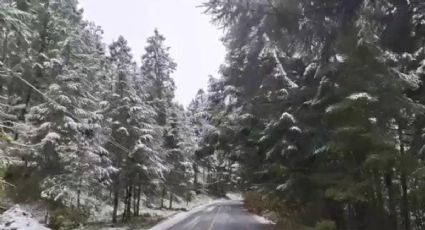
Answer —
(362, 95)
(287, 116)
(295, 129)
(64, 99)
(292, 148)
(123, 130)
(412, 78)
(310, 69)
(340, 58)
(143, 147)
(282, 187)
(246, 116)
(51, 137)
(54, 87)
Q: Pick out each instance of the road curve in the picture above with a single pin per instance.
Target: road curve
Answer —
(224, 215)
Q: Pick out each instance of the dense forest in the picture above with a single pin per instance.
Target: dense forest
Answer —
(317, 115)
(83, 125)
(322, 104)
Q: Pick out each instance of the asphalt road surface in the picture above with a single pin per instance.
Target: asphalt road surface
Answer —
(226, 215)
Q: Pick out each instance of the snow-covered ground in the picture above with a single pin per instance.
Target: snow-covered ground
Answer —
(105, 212)
(17, 219)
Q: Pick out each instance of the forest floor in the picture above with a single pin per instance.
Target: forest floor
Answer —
(28, 217)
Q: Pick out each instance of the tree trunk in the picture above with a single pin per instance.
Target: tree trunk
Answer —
(391, 206)
(130, 195)
(135, 212)
(162, 197)
(229, 185)
(170, 206)
(5, 45)
(139, 194)
(379, 200)
(124, 214)
(203, 174)
(195, 175)
(115, 193)
(127, 204)
(405, 202)
(403, 180)
(24, 110)
(78, 194)
(115, 205)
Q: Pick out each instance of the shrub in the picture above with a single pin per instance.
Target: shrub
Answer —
(66, 219)
(254, 202)
(26, 181)
(56, 221)
(285, 215)
(325, 225)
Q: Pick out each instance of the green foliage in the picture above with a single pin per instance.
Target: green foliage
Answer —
(66, 219)
(15, 19)
(4, 137)
(254, 202)
(4, 185)
(325, 225)
(26, 184)
(83, 127)
(56, 221)
(321, 101)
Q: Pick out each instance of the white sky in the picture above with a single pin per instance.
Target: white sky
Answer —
(194, 41)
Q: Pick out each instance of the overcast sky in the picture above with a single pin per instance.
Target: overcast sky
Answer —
(194, 41)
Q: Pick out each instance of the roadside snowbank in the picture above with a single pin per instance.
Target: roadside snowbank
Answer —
(263, 220)
(17, 219)
(234, 196)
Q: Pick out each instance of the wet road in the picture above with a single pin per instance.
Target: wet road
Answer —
(225, 215)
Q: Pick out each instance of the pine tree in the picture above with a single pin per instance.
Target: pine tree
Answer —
(178, 178)
(14, 39)
(157, 67)
(121, 108)
(156, 70)
(67, 129)
(197, 126)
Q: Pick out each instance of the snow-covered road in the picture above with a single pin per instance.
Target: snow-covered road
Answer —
(221, 215)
